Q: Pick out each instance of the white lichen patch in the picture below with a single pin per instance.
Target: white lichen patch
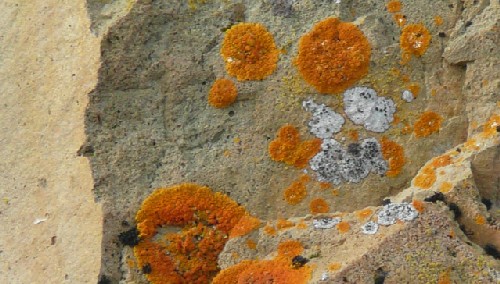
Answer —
(364, 107)
(324, 122)
(392, 212)
(369, 228)
(407, 96)
(325, 223)
(334, 164)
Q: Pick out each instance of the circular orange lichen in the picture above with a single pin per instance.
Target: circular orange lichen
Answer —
(438, 20)
(418, 205)
(288, 249)
(428, 123)
(222, 94)
(365, 213)
(319, 205)
(288, 148)
(295, 193)
(394, 6)
(415, 39)
(343, 227)
(333, 56)
(249, 52)
(251, 244)
(394, 154)
(190, 255)
(270, 230)
(479, 219)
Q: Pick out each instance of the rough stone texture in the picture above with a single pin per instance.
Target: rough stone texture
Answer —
(48, 65)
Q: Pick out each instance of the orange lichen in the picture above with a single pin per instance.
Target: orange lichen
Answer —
(415, 39)
(191, 254)
(343, 227)
(282, 224)
(269, 230)
(249, 51)
(363, 214)
(301, 225)
(353, 135)
(394, 6)
(445, 186)
(244, 226)
(414, 89)
(335, 192)
(334, 266)
(438, 20)
(444, 277)
(325, 185)
(333, 56)
(441, 161)
(426, 178)
(399, 19)
(393, 153)
(479, 219)
(251, 244)
(319, 205)
(407, 129)
(418, 205)
(471, 145)
(491, 127)
(428, 123)
(288, 249)
(222, 94)
(295, 193)
(288, 148)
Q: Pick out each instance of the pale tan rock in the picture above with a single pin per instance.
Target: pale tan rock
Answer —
(50, 225)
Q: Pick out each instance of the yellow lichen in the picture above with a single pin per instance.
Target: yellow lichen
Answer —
(249, 52)
(445, 186)
(333, 56)
(222, 94)
(428, 123)
(415, 39)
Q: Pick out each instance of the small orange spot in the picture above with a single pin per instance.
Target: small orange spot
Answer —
(415, 39)
(490, 128)
(235, 255)
(295, 193)
(343, 227)
(445, 187)
(131, 263)
(438, 20)
(319, 205)
(302, 225)
(471, 145)
(451, 234)
(363, 214)
(441, 161)
(399, 19)
(290, 248)
(444, 277)
(325, 185)
(269, 230)
(407, 129)
(414, 89)
(335, 192)
(433, 92)
(428, 123)
(426, 178)
(394, 6)
(334, 266)
(251, 244)
(479, 219)
(222, 94)
(282, 224)
(396, 120)
(405, 78)
(418, 205)
(353, 135)
(394, 154)
(227, 153)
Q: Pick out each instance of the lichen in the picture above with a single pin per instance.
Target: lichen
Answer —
(369, 228)
(394, 154)
(394, 6)
(324, 122)
(249, 52)
(319, 205)
(343, 227)
(426, 178)
(333, 56)
(296, 192)
(428, 123)
(393, 212)
(222, 94)
(415, 39)
(288, 148)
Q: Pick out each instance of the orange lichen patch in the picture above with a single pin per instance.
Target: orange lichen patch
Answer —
(418, 205)
(131, 263)
(394, 6)
(394, 154)
(295, 193)
(441, 161)
(399, 19)
(222, 94)
(251, 244)
(185, 256)
(335, 192)
(426, 178)
(353, 135)
(490, 128)
(415, 39)
(288, 249)
(396, 120)
(249, 51)
(282, 224)
(343, 227)
(444, 277)
(301, 225)
(414, 89)
(333, 56)
(445, 186)
(471, 145)
(334, 266)
(438, 20)
(325, 185)
(363, 214)
(244, 226)
(288, 148)
(428, 123)
(319, 205)
(269, 230)
(305, 178)
(479, 219)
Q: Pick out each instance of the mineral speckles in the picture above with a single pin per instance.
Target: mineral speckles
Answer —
(364, 107)
(324, 122)
(369, 228)
(325, 223)
(335, 164)
(392, 212)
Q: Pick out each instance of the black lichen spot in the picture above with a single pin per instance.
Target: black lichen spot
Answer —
(146, 269)
(104, 280)
(386, 201)
(456, 210)
(490, 249)
(299, 261)
(130, 237)
(438, 196)
(441, 34)
(380, 275)
(231, 113)
(354, 149)
(486, 203)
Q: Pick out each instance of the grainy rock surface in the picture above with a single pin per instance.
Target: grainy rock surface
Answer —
(137, 73)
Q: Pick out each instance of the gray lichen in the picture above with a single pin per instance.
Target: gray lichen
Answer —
(325, 223)
(324, 122)
(392, 212)
(407, 96)
(369, 228)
